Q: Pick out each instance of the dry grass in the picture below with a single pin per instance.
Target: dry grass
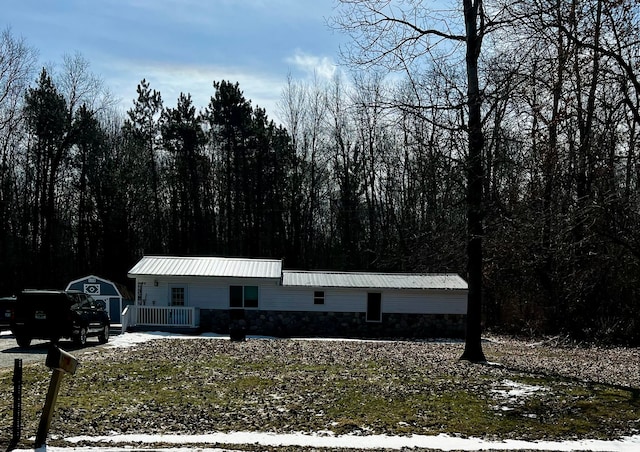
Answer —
(205, 385)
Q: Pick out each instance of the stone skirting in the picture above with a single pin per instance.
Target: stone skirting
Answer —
(333, 324)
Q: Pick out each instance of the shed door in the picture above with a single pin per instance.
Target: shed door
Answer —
(113, 305)
(374, 307)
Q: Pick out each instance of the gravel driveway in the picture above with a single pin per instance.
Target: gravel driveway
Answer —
(9, 350)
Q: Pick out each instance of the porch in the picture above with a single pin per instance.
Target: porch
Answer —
(162, 317)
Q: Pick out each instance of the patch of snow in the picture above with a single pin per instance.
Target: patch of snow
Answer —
(441, 442)
(126, 340)
(493, 364)
(514, 390)
(131, 339)
(511, 392)
(504, 408)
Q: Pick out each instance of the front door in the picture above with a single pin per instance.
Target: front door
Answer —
(374, 307)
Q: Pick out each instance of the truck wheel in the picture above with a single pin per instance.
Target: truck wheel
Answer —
(23, 341)
(81, 338)
(103, 337)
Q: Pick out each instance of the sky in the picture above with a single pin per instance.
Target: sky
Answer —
(184, 45)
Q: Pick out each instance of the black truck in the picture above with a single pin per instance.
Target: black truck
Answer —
(7, 305)
(56, 314)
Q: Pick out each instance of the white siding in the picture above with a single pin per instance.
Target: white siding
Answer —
(204, 293)
(208, 296)
(280, 298)
(152, 294)
(213, 293)
(424, 303)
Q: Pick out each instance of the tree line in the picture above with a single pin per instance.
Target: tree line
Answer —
(366, 171)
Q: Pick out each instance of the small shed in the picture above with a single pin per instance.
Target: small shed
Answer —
(101, 289)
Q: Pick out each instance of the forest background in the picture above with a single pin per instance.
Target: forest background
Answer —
(365, 172)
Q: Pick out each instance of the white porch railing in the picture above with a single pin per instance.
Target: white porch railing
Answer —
(171, 316)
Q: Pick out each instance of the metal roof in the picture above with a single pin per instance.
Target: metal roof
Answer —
(433, 281)
(207, 266)
(272, 268)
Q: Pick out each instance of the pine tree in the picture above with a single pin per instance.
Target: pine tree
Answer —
(187, 168)
(143, 161)
(47, 120)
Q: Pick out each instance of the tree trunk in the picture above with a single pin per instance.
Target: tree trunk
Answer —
(473, 341)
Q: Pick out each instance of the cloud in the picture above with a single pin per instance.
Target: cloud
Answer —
(321, 66)
(262, 89)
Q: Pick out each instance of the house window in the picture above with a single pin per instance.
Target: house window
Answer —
(235, 296)
(250, 296)
(318, 297)
(177, 296)
(243, 296)
(374, 307)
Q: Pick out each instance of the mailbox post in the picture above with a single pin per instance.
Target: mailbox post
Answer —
(60, 362)
(17, 404)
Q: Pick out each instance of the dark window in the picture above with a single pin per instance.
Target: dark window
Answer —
(374, 307)
(250, 296)
(243, 296)
(318, 297)
(235, 296)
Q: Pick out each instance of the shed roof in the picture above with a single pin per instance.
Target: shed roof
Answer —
(207, 266)
(107, 288)
(433, 281)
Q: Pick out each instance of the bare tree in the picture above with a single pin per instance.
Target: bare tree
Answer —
(402, 36)
(293, 110)
(304, 110)
(17, 61)
(81, 86)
